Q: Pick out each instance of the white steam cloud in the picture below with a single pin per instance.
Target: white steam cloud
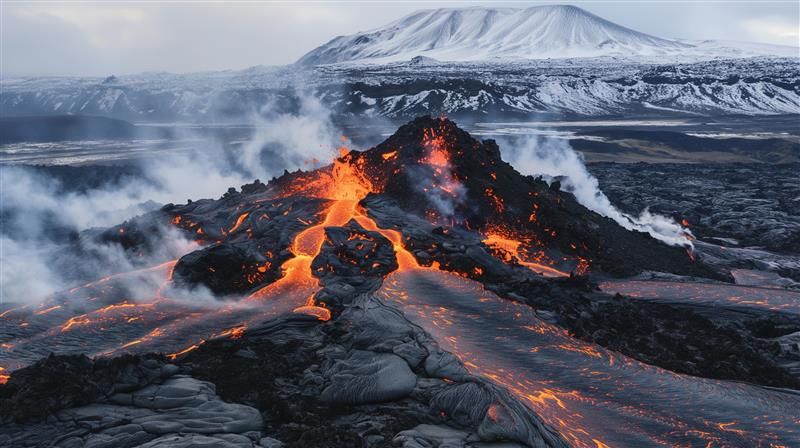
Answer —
(537, 155)
(38, 215)
(289, 140)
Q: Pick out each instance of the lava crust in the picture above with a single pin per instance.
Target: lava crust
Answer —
(306, 310)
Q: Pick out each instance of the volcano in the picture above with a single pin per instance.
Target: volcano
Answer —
(399, 295)
(456, 34)
(513, 34)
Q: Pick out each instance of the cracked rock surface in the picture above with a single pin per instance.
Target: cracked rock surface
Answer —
(178, 411)
(368, 378)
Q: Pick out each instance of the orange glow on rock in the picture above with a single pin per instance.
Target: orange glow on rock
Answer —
(497, 201)
(47, 310)
(238, 222)
(319, 312)
(173, 356)
(344, 185)
(508, 248)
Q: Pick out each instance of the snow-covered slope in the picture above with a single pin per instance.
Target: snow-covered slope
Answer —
(540, 32)
(587, 87)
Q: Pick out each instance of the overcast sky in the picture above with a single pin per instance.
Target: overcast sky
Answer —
(120, 37)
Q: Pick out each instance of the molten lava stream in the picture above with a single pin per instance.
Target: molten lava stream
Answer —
(405, 259)
(345, 188)
(297, 281)
(187, 326)
(511, 246)
(593, 396)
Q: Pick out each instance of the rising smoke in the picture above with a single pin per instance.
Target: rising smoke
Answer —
(289, 141)
(45, 247)
(554, 157)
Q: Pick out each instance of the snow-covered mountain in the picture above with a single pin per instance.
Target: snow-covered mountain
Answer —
(469, 61)
(540, 32)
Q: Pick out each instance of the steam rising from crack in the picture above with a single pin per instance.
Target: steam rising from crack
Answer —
(555, 158)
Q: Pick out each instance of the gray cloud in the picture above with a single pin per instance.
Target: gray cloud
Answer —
(101, 38)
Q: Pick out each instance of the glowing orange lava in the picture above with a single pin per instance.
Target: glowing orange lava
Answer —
(509, 249)
(101, 315)
(319, 312)
(345, 186)
(173, 356)
(497, 201)
(405, 259)
(47, 310)
(238, 222)
(8, 311)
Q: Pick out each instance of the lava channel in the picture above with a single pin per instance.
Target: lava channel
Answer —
(593, 396)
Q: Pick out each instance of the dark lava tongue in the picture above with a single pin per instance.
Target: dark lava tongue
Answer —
(433, 168)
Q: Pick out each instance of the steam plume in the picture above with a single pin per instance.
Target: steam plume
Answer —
(41, 219)
(536, 155)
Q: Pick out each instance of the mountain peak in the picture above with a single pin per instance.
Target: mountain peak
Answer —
(480, 33)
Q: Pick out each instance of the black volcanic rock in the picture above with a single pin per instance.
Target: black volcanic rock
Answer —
(678, 338)
(732, 204)
(270, 384)
(250, 233)
(228, 268)
(490, 192)
(351, 251)
(60, 382)
(352, 261)
(454, 249)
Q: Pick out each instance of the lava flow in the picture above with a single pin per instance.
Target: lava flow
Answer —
(442, 200)
(593, 396)
(429, 168)
(508, 249)
(344, 186)
(717, 294)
